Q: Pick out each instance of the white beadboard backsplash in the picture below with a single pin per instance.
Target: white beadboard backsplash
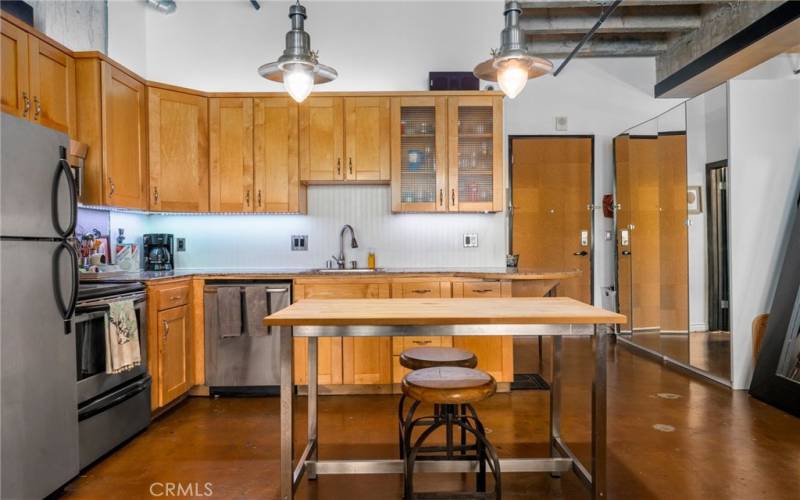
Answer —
(263, 241)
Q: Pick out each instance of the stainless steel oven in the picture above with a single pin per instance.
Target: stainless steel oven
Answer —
(111, 407)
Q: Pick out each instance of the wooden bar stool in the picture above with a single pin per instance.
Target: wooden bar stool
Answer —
(452, 390)
(418, 358)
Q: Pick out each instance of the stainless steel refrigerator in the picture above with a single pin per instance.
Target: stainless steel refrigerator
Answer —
(39, 276)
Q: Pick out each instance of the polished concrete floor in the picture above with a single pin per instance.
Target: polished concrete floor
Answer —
(706, 351)
(669, 436)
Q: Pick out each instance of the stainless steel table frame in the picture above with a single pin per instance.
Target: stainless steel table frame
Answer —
(561, 457)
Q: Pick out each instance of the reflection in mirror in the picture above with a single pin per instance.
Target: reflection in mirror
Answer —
(707, 162)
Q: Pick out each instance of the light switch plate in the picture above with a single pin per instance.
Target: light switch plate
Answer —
(181, 245)
(299, 242)
(470, 240)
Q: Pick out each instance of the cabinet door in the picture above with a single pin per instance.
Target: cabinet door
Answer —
(419, 138)
(178, 136)
(368, 139)
(174, 353)
(475, 147)
(14, 95)
(495, 354)
(322, 139)
(124, 124)
(52, 84)
(230, 145)
(277, 166)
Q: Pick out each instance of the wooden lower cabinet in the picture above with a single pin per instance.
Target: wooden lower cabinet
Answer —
(344, 360)
(170, 353)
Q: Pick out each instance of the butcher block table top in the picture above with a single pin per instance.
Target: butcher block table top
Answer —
(400, 312)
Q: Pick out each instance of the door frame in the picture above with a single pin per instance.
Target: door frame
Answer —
(510, 194)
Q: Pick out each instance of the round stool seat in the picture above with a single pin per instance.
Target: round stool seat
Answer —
(428, 357)
(448, 385)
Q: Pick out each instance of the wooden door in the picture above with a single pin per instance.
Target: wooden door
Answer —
(174, 367)
(322, 139)
(551, 188)
(52, 85)
(124, 151)
(475, 153)
(277, 182)
(230, 145)
(419, 154)
(178, 137)
(15, 96)
(495, 354)
(368, 139)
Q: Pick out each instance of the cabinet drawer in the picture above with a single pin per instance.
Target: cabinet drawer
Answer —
(172, 296)
(421, 289)
(400, 344)
(482, 289)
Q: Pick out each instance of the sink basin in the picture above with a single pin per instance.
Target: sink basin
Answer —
(360, 270)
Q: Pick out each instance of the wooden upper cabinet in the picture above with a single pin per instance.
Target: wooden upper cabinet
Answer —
(178, 137)
(15, 94)
(475, 150)
(277, 166)
(230, 144)
(322, 139)
(419, 154)
(38, 80)
(368, 138)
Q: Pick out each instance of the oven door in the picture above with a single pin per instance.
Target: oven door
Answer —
(90, 336)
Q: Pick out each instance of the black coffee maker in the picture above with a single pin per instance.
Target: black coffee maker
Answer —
(158, 252)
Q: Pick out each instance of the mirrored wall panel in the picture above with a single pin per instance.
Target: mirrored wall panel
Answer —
(671, 225)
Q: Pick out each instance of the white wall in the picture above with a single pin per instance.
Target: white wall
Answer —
(764, 177)
(128, 34)
(389, 45)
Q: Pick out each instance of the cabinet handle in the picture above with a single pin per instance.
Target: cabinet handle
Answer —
(259, 197)
(155, 194)
(26, 104)
(453, 195)
(247, 197)
(338, 166)
(166, 329)
(111, 187)
(483, 290)
(421, 342)
(422, 290)
(37, 108)
(175, 297)
(350, 165)
(441, 197)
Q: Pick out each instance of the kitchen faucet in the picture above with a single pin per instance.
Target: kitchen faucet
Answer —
(340, 261)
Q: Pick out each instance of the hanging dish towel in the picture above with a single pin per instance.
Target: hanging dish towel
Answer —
(122, 337)
(229, 311)
(257, 307)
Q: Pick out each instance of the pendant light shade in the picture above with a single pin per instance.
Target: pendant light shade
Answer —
(511, 66)
(298, 67)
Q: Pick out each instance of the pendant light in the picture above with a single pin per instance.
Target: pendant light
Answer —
(298, 67)
(511, 66)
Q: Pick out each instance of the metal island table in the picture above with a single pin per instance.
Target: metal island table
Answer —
(435, 317)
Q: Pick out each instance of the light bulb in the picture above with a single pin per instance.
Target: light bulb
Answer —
(512, 76)
(298, 79)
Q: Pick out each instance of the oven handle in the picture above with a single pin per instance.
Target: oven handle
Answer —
(104, 302)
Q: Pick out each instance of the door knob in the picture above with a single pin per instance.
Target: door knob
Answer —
(582, 253)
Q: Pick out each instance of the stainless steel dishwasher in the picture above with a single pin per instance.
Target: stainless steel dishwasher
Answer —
(242, 355)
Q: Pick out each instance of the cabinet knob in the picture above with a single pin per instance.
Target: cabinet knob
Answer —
(111, 187)
(350, 165)
(26, 104)
(37, 107)
(259, 197)
(338, 166)
(247, 197)
(453, 195)
(155, 194)
(441, 197)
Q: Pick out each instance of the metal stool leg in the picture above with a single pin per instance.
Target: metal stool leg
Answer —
(400, 406)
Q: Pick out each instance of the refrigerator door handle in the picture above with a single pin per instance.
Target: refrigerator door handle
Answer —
(66, 171)
(67, 310)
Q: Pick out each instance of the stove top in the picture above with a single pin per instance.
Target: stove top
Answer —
(101, 290)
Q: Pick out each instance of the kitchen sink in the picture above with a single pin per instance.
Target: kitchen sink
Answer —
(360, 270)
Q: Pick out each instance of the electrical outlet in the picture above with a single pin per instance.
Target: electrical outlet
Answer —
(470, 240)
(561, 123)
(181, 244)
(299, 242)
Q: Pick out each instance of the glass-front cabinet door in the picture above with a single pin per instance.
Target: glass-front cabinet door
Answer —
(419, 182)
(475, 129)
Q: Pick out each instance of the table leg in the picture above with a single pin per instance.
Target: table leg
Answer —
(287, 414)
(599, 414)
(313, 380)
(555, 398)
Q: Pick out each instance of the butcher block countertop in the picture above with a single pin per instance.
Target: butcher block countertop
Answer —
(492, 273)
(399, 312)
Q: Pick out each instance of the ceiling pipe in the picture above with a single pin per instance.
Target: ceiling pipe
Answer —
(255, 4)
(163, 6)
(588, 35)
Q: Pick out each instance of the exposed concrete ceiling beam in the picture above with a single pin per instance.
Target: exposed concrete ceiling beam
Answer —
(623, 20)
(569, 4)
(597, 47)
